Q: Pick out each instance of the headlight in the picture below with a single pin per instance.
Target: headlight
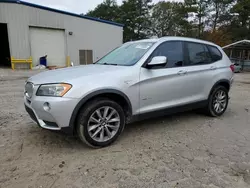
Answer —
(29, 87)
(57, 90)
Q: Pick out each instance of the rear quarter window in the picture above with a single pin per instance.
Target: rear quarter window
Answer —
(215, 53)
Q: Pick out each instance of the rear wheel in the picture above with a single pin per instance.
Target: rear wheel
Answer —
(100, 122)
(218, 101)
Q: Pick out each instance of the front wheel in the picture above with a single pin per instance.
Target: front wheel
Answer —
(218, 101)
(100, 122)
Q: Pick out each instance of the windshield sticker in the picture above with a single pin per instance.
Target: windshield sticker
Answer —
(141, 46)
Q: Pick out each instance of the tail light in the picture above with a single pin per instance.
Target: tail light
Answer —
(232, 67)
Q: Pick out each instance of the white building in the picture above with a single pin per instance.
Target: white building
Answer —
(29, 30)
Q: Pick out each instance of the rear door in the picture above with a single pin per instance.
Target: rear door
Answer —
(200, 70)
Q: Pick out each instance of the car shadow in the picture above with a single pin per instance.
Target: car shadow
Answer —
(58, 139)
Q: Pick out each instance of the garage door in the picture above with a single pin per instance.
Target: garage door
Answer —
(50, 42)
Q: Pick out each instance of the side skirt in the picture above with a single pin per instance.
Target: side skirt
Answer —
(169, 111)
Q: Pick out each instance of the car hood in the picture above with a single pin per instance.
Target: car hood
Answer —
(68, 74)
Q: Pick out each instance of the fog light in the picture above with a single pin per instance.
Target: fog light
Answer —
(46, 106)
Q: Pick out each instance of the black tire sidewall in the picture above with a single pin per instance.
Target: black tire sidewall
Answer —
(211, 110)
(85, 114)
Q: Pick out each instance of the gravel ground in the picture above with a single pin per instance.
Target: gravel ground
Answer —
(183, 150)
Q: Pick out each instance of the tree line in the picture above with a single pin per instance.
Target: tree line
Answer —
(219, 21)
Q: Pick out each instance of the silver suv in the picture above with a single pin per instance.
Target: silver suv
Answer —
(135, 81)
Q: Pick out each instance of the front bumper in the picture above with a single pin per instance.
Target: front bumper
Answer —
(57, 117)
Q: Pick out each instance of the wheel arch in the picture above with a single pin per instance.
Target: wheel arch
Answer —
(210, 106)
(113, 94)
(222, 82)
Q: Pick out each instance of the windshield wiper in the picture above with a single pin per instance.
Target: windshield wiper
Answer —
(109, 64)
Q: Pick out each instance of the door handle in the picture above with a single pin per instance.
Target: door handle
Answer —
(182, 72)
(212, 68)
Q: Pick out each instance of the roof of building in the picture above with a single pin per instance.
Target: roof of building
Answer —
(61, 12)
(238, 44)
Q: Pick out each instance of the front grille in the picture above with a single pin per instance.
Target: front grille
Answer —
(31, 113)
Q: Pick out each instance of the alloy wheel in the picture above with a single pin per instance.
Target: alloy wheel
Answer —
(219, 101)
(103, 124)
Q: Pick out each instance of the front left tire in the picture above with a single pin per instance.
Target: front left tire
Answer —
(100, 122)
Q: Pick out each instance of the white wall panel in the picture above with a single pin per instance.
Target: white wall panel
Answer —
(87, 34)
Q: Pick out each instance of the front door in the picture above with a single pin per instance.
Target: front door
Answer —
(166, 86)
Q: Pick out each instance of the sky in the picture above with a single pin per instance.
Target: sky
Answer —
(74, 6)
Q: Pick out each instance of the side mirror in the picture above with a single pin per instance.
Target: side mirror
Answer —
(158, 60)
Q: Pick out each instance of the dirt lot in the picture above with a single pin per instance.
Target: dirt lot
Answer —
(184, 150)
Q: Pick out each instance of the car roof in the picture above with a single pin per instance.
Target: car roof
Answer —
(162, 39)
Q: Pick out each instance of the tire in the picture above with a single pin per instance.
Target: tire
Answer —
(86, 121)
(212, 109)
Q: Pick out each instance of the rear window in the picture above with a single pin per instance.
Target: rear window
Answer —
(198, 54)
(215, 53)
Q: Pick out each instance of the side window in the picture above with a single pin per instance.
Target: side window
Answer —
(215, 53)
(173, 51)
(198, 54)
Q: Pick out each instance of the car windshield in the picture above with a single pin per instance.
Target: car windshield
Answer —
(127, 54)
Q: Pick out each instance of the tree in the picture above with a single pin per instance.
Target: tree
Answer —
(186, 23)
(171, 18)
(219, 12)
(202, 12)
(163, 19)
(219, 36)
(197, 11)
(108, 10)
(135, 15)
(238, 20)
(240, 25)
(242, 9)
(220, 21)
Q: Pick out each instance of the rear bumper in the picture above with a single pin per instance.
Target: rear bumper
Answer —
(231, 81)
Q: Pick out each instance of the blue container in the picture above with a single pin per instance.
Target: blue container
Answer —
(43, 61)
